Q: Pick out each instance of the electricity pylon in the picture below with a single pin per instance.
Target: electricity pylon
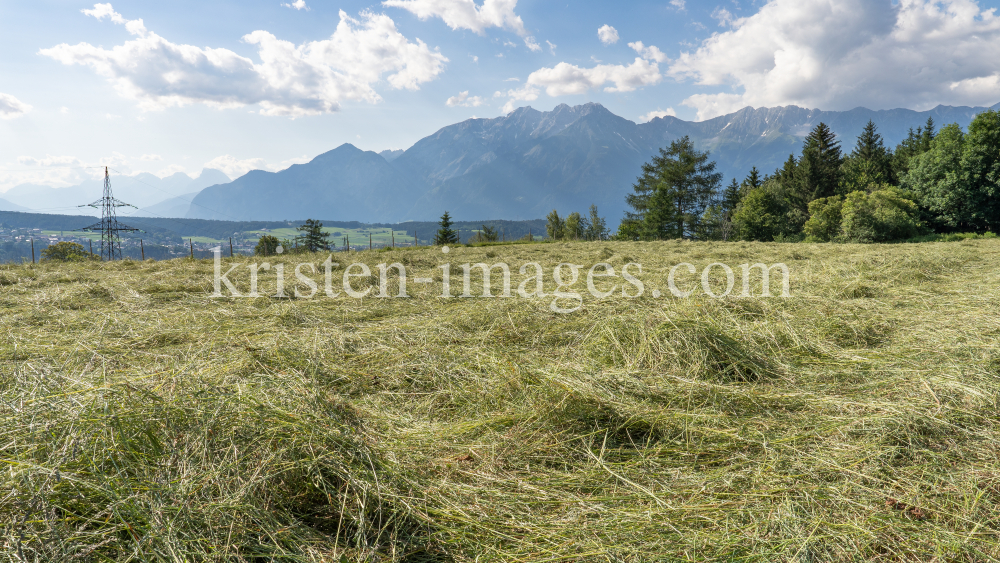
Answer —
(111, 246)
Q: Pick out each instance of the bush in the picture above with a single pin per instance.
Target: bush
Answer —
(267, 246)
(883, 215)
(761, 216)
(67, 252)
(825, 217)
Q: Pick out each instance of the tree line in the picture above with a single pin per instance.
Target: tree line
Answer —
(933, 182)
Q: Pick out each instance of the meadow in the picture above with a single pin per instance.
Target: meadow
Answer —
(857, 420)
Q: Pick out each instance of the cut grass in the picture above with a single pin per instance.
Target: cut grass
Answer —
(855, 421)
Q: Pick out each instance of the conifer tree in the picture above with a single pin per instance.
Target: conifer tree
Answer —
(673, 192)
(445, 234)
(870, 164)
(821, 161)
(313, 239)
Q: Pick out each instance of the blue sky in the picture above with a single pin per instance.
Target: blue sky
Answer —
(176, 86)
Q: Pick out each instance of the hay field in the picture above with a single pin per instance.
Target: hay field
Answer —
(858, 420)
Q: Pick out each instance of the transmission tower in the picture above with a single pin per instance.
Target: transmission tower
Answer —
(111, 246)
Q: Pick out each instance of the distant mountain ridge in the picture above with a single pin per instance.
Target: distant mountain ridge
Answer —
(528, 162)
(142, 190)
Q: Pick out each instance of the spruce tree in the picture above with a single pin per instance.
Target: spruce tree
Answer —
(752, 181)
(445, 234)
(313, 239)
(870, 164)
(731, 197)
(673, 192)
(821, 161)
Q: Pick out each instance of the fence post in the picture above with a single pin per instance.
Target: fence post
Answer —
(143, 250)
(191, 242)
(369, 240)
(32, 251)
(394, 239)
(230, 247)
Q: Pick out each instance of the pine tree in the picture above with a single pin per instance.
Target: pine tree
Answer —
(673, 192)
(821, 161)
(445, 234)
(313, 238)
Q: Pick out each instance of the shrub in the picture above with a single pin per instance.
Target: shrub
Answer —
(883, 215)
(825, 216)
(267, 246)
(67, 252)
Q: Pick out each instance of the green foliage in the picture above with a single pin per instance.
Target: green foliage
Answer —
(937, 179)
(761, 216)
(981, 167)
(825, 217)
(870, 165)
(915, 144)
(880, 216)
(67, 252)
(673, 192)
(554, 225)
(597, 227)
(267, 246)
(445, 234)
(313, 238)
(486, 234)
(821, 161)
(574, 227)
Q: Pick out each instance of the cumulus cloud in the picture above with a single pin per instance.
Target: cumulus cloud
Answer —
(291, 80)
(657, 113)
(565, 78)
(526, 93)
(464, 100)
(607, 34)
(650, 53)
(840, 54)
(679, 4)
(298, 5)
(465, 14)
(11, 107)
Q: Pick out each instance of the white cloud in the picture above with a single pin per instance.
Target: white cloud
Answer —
(298, 5)
(64, 110)
(465, 14)
(669, 112)
(526, 93)
(840, 54)
(565, 78)
(464, 100)
(171, 170)
(11, 107)
(679, 4)
(608, 35)
(102, 11)
(234, 167)
(58, 171)
(292, 80)
(150, 157)
(532, 44)
(723, 16)
(650, 53)
(552, 47)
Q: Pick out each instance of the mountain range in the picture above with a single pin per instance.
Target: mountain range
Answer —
(518, 166)
(150, 193)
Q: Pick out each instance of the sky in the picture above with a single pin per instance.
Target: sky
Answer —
(166, 87)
